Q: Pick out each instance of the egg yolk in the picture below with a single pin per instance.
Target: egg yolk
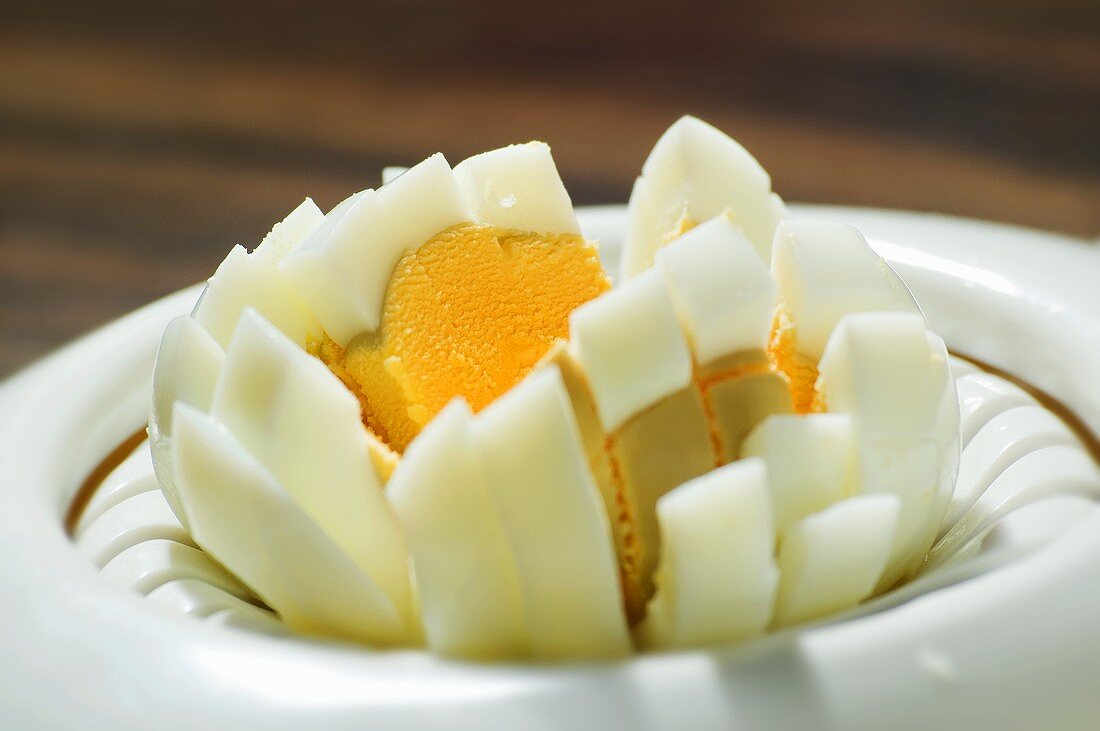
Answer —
(469, 312)
(683, 224)
(800, 370)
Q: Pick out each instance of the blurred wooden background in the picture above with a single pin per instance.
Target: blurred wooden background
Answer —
(139, 141)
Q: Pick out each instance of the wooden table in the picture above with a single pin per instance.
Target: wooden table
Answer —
(139, 141)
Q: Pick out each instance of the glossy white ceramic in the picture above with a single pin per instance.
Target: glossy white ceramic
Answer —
(1016, 646)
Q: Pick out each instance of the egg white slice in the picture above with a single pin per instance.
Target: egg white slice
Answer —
(810, 461)
(722, 291)
(254, 280)
(241, 514)
(517, 187)
(630, 344)
(831, 560)
(825, 270)
(891, 375)
(293, 415)
(553, 516)
(343, 269)
(187, 367)
(186, 371)
(696, 172)
(466, 579)
(717, 578)
(392, 172)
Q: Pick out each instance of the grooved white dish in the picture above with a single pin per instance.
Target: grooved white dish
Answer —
(1015, 647)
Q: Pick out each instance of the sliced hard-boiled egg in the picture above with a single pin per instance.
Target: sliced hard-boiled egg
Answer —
(517, 188)
(186, 372)
(445, 283)
(631, 345)
(891, 375)
(242, 515)
(255, 280)
(551, 512)
(343, 269)
(694, 173)
(465, 570)
(720, 289)
(810, 460)
(717, 577)
(656, 450)
(427, 417)
(824, 270)
(674, 365)
(831, 560)
(503, 514)
(288, 411)
(392, 172)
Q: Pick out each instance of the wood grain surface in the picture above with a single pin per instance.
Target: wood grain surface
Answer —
(139, 141)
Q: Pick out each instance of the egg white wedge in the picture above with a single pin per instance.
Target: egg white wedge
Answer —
(824, 270)
(810, 460)
(655, 451)
(831, 560)
(694, 173)
(511, 546)
(717, 579)
(891, 375)
(725, 299)
(186, 371)
(392, 172)
(720, 288)
(631, 346)
(552, 514)
(342, 270)
(467, 586)
(240, 514)
(254, 280)
(291, 414)
(517, 187)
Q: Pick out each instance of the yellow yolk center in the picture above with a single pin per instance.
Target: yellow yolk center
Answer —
(470, 312)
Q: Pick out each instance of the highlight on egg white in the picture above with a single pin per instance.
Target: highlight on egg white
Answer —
(755, 429)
